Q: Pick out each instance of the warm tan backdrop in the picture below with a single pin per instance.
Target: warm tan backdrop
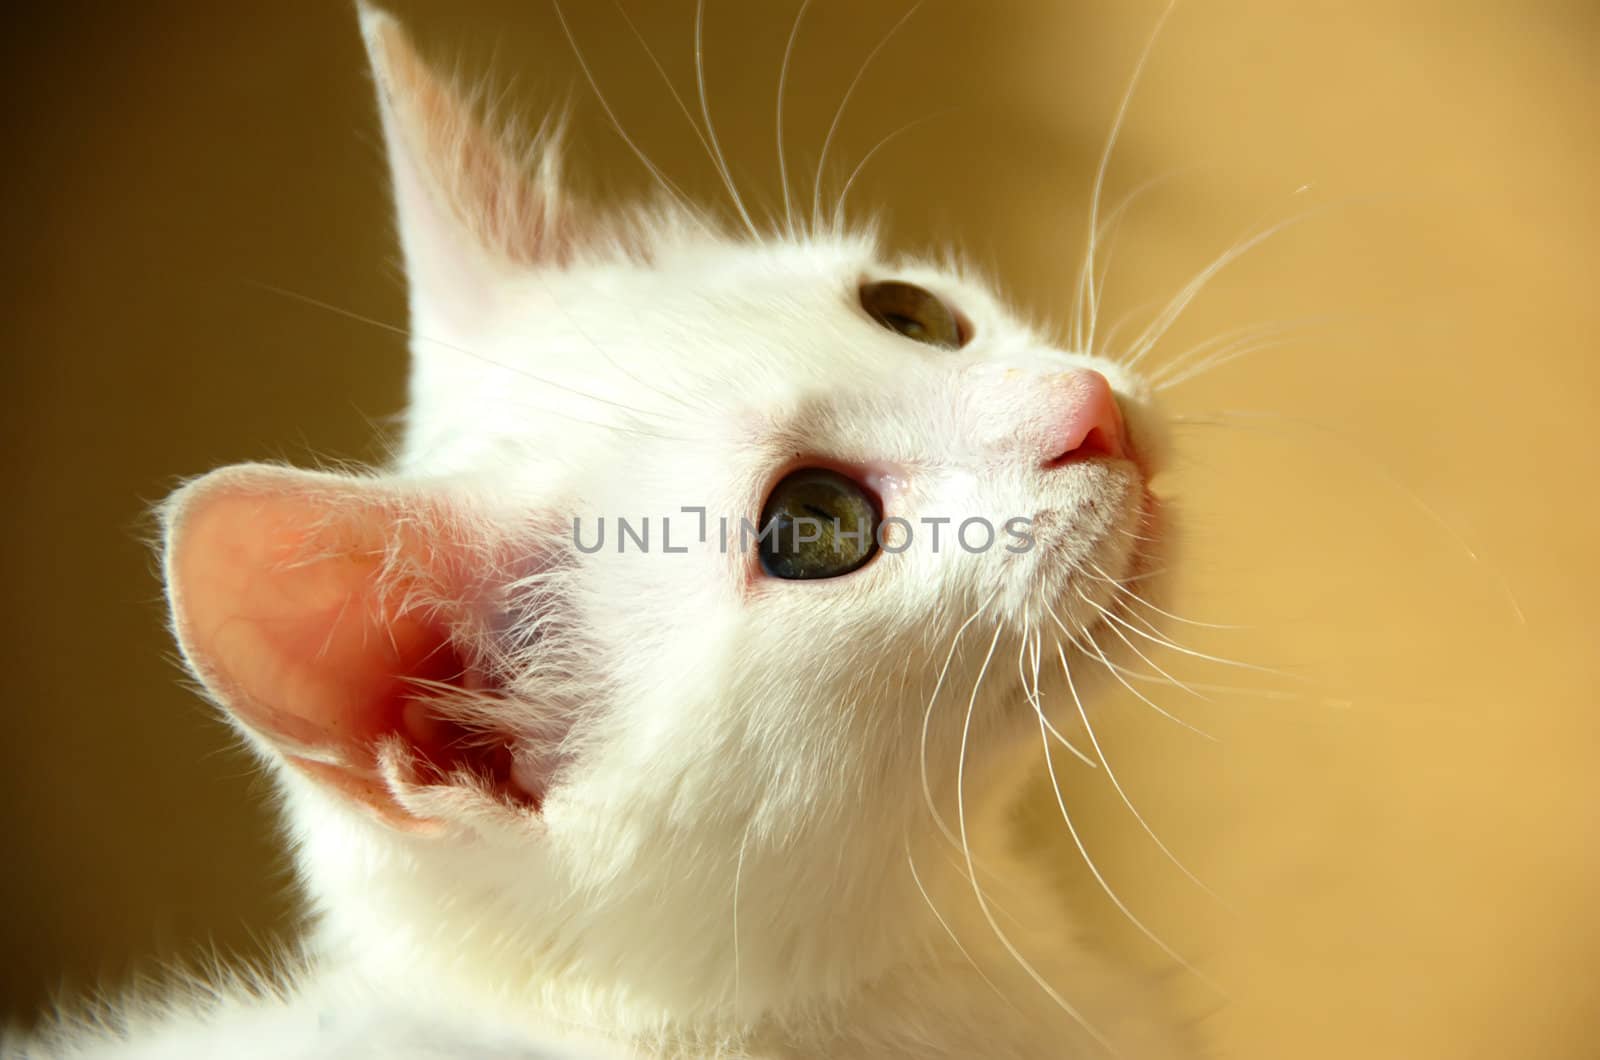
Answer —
(1407, 832)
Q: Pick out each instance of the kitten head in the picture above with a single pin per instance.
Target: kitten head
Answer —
(544, 681)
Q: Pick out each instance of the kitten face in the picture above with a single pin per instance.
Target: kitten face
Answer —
(488, 726)
(679, 391)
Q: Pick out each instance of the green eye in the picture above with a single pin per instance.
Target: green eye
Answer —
(817, 524)
(913, 312)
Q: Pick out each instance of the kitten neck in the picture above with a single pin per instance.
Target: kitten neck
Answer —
(799, 934)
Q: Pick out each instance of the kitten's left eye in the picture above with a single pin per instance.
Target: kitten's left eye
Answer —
(817, 524)
(917, 314)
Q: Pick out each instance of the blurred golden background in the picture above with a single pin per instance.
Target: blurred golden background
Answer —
(1398, 502)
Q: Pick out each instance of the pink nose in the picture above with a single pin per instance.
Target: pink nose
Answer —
(1083, 419)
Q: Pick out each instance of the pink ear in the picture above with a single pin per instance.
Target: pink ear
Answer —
(469, 205)
(321, 610)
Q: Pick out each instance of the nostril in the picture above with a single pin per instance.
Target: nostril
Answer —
(1087, 421)
(1098, 442)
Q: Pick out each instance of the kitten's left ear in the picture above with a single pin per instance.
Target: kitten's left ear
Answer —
(470, 207)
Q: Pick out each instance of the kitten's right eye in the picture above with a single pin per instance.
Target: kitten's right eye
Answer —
(917, 314)
(817, 524)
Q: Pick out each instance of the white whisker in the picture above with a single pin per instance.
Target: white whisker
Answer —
(1225, 356)
(1165, 643)
(1116, 784)
(1157, 667)
(783, 80)
(1117, 586)
(948, 930)
(711, 129)
(1087, 300)
(738, 876)
(838, 114)
(1037, 703)
(1110, 343)
(666, 182)
(1218, 346)
(1146, 700)
(1229, 690)
(677, 98)
(927, 715)
(1108, 230)
(972, 876)
(838, 208)
(1094, 870)
(1164, 320)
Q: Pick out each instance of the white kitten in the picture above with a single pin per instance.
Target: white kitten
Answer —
(695, 799)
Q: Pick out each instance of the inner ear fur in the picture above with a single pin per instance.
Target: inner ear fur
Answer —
(345, 624)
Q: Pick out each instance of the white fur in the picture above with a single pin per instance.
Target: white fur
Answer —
(735, 857)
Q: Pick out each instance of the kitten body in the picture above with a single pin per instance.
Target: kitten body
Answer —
(651, 801)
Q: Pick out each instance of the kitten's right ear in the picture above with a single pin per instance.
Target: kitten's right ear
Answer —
(350, 626)
(470, 208)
